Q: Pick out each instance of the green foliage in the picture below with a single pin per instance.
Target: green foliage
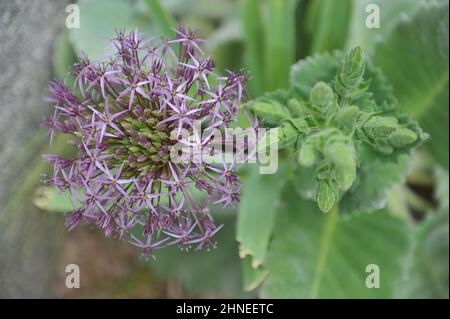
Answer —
(256, 213)
(348, 112)
(414, 56)
(426, 271)
(327, 22)
(390, 12)
(52, 200)
(99, 19)
(347, 126)
(161, 16)
(314, 255)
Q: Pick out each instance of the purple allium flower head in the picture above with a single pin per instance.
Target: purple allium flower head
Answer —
(121, 114)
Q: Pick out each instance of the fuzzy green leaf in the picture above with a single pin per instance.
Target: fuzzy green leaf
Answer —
(316, 255)
(415, 59)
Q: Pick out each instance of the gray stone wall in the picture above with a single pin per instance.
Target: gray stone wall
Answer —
(28, 237)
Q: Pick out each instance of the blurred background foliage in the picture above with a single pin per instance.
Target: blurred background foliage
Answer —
(280, 233)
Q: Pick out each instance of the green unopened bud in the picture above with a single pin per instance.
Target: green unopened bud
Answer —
(326, 196)
(296, 107)
(384, 147)
(345, 176)
(347, 116)
(402, 137)
(307, 155)
(379, 127)
(321, 94)
(352, 69)
(340, 153)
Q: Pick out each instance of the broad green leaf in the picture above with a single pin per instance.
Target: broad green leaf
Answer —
(252, 277)
(52, 200)
(390, 12)
(256, 213)
(426, 274)
(377, 176)
(279, 42)
(98, 21)
(415, 59)
(327, 24)
(209, 271)
(317, 255)
(252, 27)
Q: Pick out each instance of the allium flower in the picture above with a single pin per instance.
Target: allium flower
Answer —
(121, 115)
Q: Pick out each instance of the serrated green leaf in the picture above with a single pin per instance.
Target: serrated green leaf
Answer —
(98, 21)
(317, 255)
(271, 111)
(377, 175)
(324, 66)
(256, 213)
(415, 59)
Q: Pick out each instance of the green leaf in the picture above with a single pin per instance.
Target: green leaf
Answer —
(256, 213)
(52, 200)
(390, 13)
(327, 24)
(415, 59)
(279, 42)
(426, 275)
(161, 16)
(252, 277)
(377, 176)
(270, 111)
(207, 271)
(63, 55)
(317, 255)
(98, 21)
(201, 9)
(253, 44)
